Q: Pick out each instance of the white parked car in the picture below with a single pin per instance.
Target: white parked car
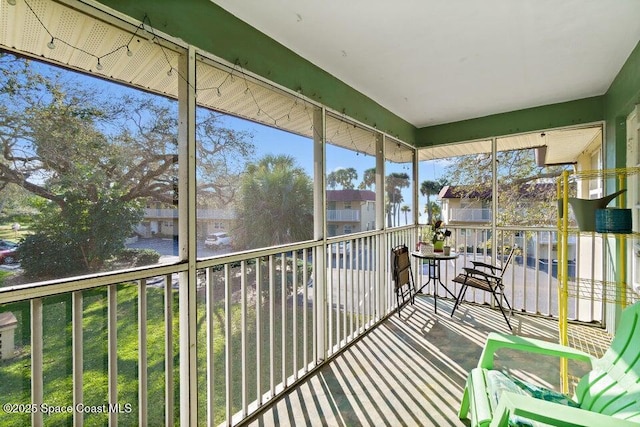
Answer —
(217, 240)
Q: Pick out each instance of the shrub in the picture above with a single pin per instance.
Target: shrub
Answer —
(138, 257)
(44, 256)
(78, 237)
(147, 256)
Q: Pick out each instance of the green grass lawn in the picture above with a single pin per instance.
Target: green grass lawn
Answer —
(15, 373)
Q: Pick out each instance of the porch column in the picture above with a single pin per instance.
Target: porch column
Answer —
(320, 230)
(416, 194)
(494, 203)
(187, 236)
(380, 225)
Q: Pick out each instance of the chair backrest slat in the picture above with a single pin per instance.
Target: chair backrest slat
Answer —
(613, 387)
(506, 263)
(401, 263)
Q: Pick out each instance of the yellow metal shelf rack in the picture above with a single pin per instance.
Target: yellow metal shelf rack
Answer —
(616, 291)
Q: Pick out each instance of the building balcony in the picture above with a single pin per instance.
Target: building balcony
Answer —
(203, 214)
(343, 215)
(469, 215)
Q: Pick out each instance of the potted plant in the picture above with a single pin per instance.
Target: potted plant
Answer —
(439, 236)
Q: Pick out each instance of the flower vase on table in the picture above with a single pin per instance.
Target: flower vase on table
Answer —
(435, 237)
(439, 236)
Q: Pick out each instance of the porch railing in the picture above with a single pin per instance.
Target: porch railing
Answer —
(108, 345)
(106, 348)
(532, 278)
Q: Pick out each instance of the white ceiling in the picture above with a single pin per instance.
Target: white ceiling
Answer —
(28, 32)
(439, 61)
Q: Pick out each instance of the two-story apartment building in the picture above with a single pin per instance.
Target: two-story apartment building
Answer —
(465, 207)
(350, 211)
(161, 220)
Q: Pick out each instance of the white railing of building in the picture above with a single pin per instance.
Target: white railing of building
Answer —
(202, 214)
(470, 215)
(343, 215)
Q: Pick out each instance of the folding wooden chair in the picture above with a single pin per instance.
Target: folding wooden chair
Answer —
(489, 279)
(405, 287)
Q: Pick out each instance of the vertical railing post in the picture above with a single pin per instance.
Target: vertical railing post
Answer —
(244, 338)
(258, 343)
(112, 357)
(142, 354)
(228, 342)
(78, 365)
(210, 339)
(272, 326)
(168, 352)
(37, 372)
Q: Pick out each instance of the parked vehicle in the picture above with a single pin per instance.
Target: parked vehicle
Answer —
(8, 252)
(217, 240)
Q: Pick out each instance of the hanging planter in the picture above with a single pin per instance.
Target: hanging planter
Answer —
(585, 209)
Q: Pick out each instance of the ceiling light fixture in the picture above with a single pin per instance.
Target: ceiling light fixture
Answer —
(51, 45)
(11, 2)
(99, 66)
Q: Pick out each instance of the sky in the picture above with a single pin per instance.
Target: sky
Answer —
(268, 140)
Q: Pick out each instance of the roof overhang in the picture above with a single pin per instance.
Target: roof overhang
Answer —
(553, 147)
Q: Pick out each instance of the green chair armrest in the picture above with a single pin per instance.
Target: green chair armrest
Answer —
(512, 404)
(496, 341)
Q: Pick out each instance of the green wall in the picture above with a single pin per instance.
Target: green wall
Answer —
(207, 26)
(622, 96)
(586, 110)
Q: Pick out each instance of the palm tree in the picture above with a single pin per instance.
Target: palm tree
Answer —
(428, 188)
(276, 204)
(368, 179)
(395, 182)
(406, 209)
(343, 177)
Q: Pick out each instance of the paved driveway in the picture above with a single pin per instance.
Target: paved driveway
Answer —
(166, 247)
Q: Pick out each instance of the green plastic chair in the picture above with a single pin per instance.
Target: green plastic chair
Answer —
(609, 395)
